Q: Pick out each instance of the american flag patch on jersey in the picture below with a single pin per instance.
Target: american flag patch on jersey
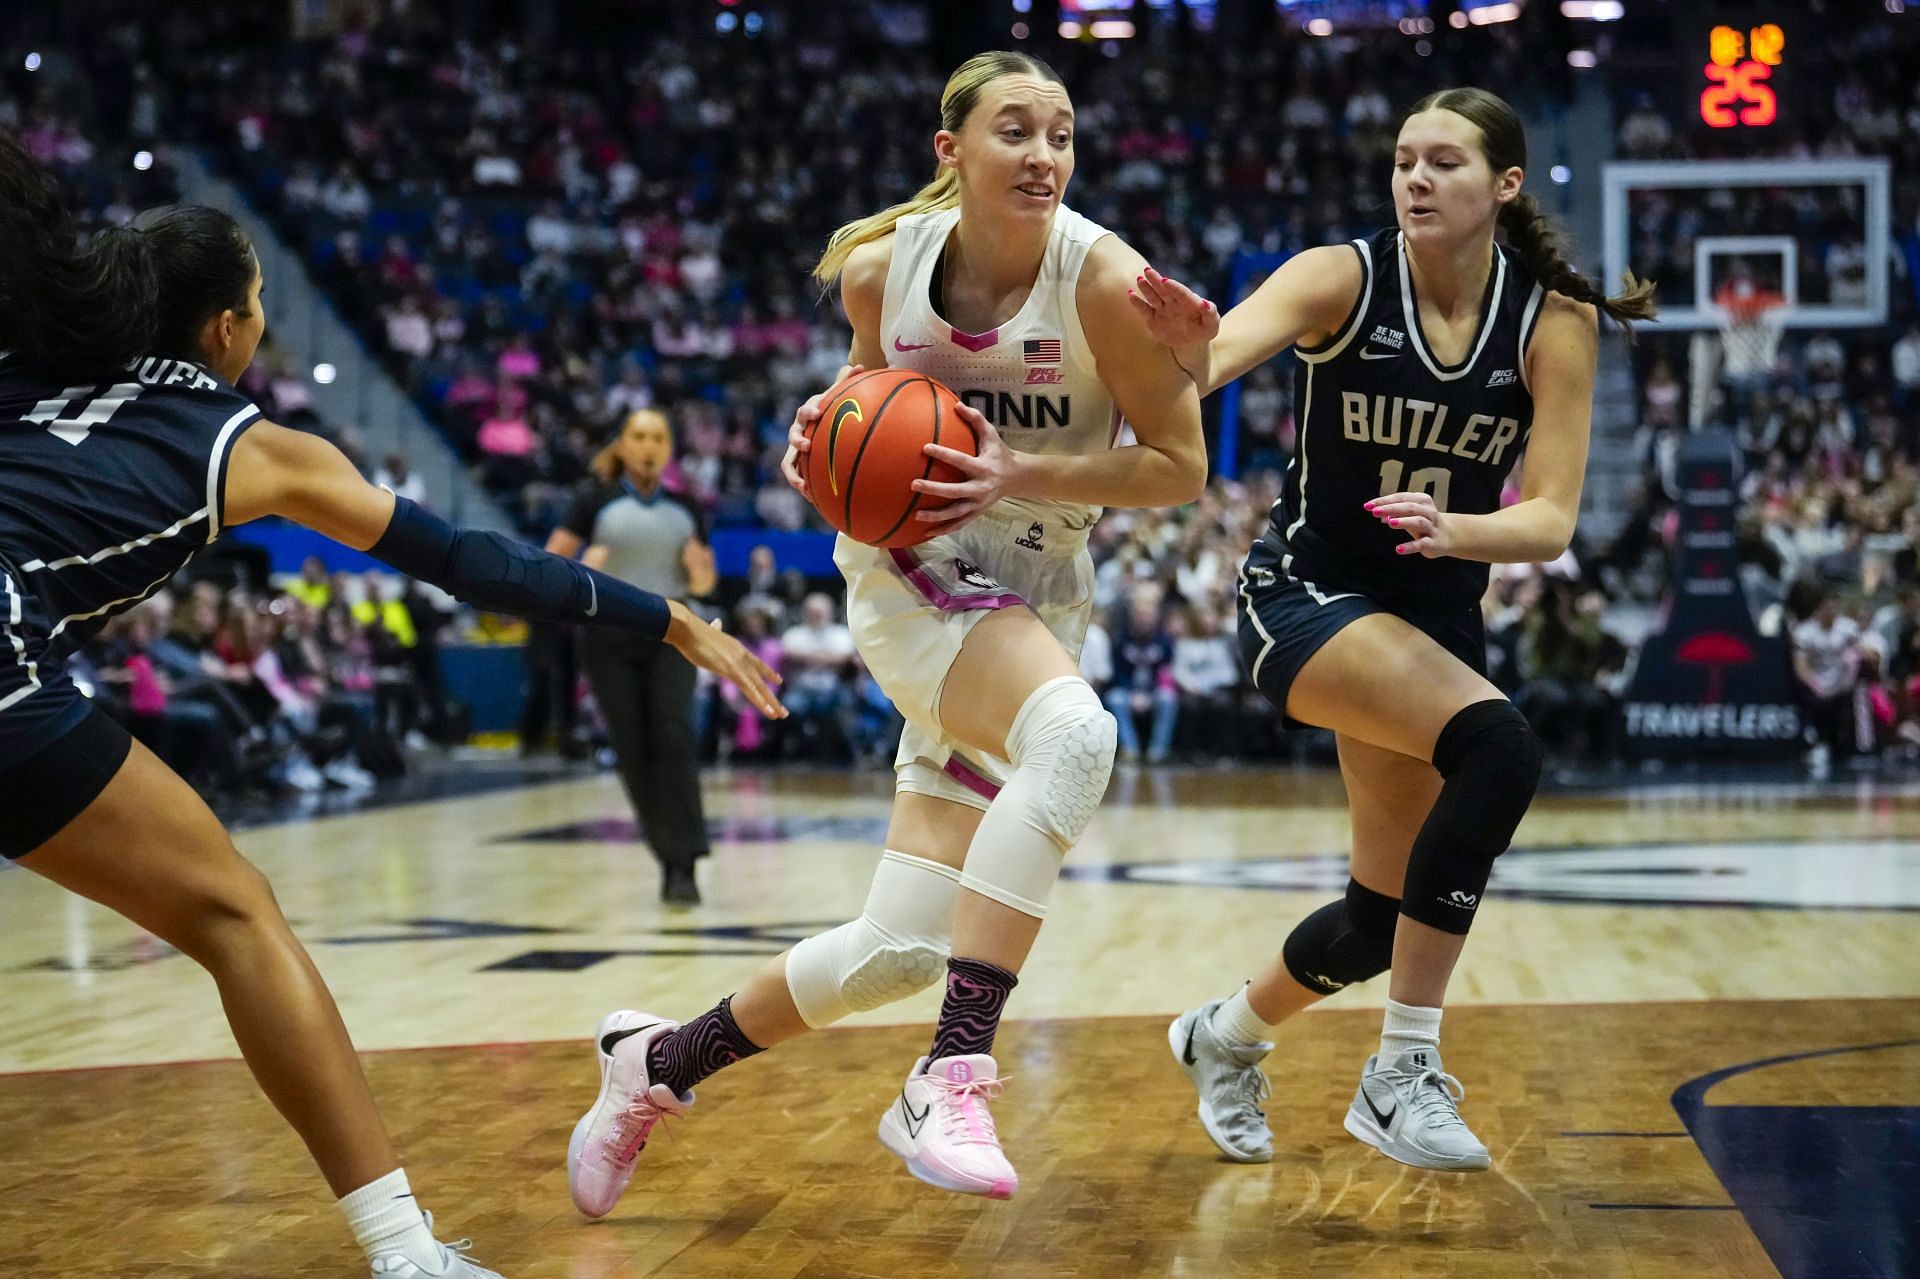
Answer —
(1042, 350)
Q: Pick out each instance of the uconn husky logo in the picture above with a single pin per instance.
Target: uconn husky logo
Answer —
(1031, 541)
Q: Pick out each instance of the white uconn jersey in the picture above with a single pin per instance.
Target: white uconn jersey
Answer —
(1032, 377)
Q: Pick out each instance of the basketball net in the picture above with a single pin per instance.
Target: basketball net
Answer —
(1751, 322)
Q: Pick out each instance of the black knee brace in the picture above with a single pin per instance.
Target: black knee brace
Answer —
(1343, 942)
(1491, 760)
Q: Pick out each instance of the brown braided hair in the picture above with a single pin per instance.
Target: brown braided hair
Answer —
(1531, 233)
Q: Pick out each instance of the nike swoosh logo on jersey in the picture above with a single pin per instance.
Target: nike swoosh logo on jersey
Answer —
(914, 1122)
(1383, 1120)
(593, 597)
(898, 345)
(1370, 354)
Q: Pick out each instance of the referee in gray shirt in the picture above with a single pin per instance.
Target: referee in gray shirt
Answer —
(632, 528)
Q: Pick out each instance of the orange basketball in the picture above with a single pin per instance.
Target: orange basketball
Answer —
(867, 449)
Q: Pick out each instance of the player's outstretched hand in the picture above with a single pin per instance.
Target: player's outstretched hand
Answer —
(1416, 515)
(1175, 315)
(989, 475)
(803, 419)
(710, 648)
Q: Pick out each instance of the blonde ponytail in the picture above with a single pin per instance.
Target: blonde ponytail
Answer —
(941, 193)
(957, 102)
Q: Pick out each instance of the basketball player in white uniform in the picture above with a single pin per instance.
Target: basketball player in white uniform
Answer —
(987, 282)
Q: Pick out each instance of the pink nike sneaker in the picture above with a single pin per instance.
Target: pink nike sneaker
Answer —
(942, 1128)
(609, 1138)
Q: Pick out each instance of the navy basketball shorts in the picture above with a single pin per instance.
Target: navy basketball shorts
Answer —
(58, 750)
(1284, 621)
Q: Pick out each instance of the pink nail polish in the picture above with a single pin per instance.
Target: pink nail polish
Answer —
(1393, 523)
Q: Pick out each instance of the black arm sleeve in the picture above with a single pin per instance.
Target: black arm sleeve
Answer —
(492, 571)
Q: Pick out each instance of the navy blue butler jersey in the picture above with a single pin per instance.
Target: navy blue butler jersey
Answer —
(1378, 413)
(106, 490)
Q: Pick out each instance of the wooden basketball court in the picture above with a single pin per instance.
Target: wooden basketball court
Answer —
(1689, 1030)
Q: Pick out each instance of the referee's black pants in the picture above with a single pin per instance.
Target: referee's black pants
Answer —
(645, 693)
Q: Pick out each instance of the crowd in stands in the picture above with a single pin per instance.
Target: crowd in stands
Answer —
(244, 687)
(324, 681)
(540, 239)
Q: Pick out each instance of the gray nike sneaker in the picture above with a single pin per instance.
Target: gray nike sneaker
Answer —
(1230, 1083)
(1408, 1108)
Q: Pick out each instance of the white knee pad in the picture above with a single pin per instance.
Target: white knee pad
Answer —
(897, 947)
(1064, 734)
(1061, 746)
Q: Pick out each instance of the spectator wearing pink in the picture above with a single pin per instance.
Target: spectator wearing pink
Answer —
(471, 392)
(751, 339)
(519, 360)
(507, 446)
(787, 332)
(749, 727)
(146, 695)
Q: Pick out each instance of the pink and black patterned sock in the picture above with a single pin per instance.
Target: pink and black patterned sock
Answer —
(976, 993)
(704, 1045)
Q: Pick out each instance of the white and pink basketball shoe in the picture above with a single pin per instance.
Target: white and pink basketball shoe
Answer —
(609, 1138)
(941, 1126)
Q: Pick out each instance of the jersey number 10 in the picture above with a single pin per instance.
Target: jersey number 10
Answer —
(73, 430)
(1428, 479)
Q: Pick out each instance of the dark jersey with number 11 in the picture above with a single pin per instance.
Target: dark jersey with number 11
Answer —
(1378, 413)
(106, 490)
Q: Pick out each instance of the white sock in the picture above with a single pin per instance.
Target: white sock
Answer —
(1235, 1021)
(385, 1217)
(1408, 1027)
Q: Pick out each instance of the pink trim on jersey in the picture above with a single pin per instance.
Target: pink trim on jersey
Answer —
(939, 596)
(979, 785)
(974, 341)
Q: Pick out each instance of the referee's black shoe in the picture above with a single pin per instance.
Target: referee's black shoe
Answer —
(679, 888)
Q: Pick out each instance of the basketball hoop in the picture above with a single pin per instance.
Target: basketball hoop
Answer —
(1751, 322)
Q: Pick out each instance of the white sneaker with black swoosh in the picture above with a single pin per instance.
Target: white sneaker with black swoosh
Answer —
(1408, 1108)
(941, 1126)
